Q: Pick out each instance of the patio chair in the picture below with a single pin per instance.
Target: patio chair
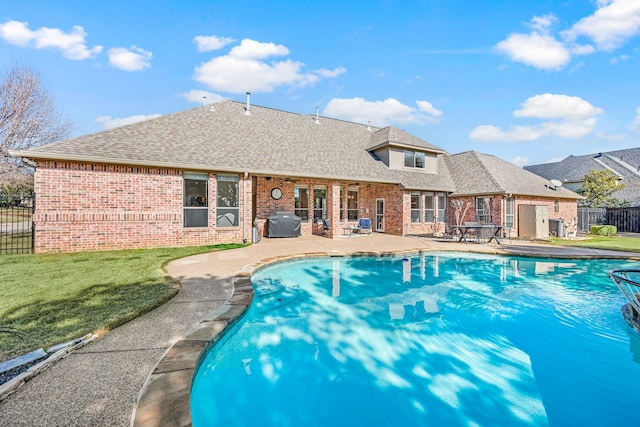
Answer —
(325, 225)
(364, 225)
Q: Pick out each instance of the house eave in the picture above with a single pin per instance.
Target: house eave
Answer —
(195, 167)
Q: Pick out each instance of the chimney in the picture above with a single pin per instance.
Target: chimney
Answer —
(247, 111)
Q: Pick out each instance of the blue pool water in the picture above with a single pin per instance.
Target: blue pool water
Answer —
(430, 340)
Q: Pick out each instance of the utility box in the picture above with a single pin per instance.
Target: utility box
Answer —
(533, 221)
(557, 227)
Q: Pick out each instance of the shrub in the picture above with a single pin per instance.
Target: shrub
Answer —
(603, 230)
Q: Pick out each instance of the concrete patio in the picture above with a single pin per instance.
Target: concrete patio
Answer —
(99, 384)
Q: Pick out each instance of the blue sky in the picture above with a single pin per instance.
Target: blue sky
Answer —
(530, 82)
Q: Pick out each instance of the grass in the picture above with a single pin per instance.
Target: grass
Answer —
(54, 298)
(614, 243)
(15, 214)
(15, 243)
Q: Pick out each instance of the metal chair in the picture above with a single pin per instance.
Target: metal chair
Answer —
(364, 225)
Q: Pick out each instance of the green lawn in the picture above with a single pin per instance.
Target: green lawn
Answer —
(15, 244)
(15, 214)
(50, 299)
(614, 243)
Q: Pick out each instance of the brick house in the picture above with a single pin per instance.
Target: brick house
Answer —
(207, 175)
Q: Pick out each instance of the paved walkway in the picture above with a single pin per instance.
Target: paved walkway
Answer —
(99, 384)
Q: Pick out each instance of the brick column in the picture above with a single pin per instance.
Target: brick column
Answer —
(333, 210)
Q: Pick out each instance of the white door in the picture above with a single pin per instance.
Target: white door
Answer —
(379, 214)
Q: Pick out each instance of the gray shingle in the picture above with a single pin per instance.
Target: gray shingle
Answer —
(476, 174)
(625, 163)
(220, 137)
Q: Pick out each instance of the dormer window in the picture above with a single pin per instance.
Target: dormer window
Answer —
(414, 159)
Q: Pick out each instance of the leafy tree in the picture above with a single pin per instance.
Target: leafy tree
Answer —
(599, 187)
(28, 118)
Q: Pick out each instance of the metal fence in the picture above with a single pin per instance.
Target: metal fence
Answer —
(591, 216)
(16, 223)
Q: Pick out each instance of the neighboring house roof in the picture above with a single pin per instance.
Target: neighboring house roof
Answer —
(477, 174)
(624, 163)
(221, 137)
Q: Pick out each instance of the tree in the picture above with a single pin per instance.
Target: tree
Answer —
(28, 118)
(599, 187)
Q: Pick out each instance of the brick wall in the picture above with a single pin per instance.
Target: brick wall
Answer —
(368, 194)
(83, 207)
(567, 209)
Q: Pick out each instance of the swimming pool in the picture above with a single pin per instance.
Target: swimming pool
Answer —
(433, 339)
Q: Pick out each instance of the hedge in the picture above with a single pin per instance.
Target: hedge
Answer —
(603, 230)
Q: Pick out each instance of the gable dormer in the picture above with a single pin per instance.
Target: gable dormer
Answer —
(402, 151)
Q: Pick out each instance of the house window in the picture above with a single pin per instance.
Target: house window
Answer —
(413, 159)
(195, 200)
(319, 203)
(341, 204)
(483, 210)
(509, 209)
(429, 207)
(556, 205)
(416, 207)
(353, 210)
(227, 201)
(301, 202)
(442, 207)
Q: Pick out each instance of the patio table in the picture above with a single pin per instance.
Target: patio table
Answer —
(351, 230)
(465, 229)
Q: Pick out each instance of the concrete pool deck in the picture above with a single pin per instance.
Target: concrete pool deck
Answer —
(100, 384)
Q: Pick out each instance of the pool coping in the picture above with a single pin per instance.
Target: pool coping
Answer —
(164, 400)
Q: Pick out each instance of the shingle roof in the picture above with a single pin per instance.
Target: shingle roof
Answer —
(220, 137)
(477, 173)
(625, 163)
(394, 136)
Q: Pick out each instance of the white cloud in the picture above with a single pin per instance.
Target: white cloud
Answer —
(520, 161)
(427, 107)
(71, 44)
(537, 49)
(132, 59)
(251, 49)
(209, 43)
(196, 96)
(245, 68)
(554, 106)
(379, 113)
(610, 26)
(566, 117)
(328, 74)
(109, 122)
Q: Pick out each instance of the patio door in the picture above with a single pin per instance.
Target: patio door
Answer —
(380, 215)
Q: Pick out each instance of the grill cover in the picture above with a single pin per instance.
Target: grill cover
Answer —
(283, 224)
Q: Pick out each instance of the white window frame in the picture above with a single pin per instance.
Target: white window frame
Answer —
(416, 211)
(429, 206)
(227, 211)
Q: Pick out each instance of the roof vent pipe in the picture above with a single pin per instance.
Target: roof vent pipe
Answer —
(204, 100)
(369, 125)
(316, 120)
(247, 111)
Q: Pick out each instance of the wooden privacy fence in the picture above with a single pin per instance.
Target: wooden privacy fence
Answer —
(625, 219)
(16, 223)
